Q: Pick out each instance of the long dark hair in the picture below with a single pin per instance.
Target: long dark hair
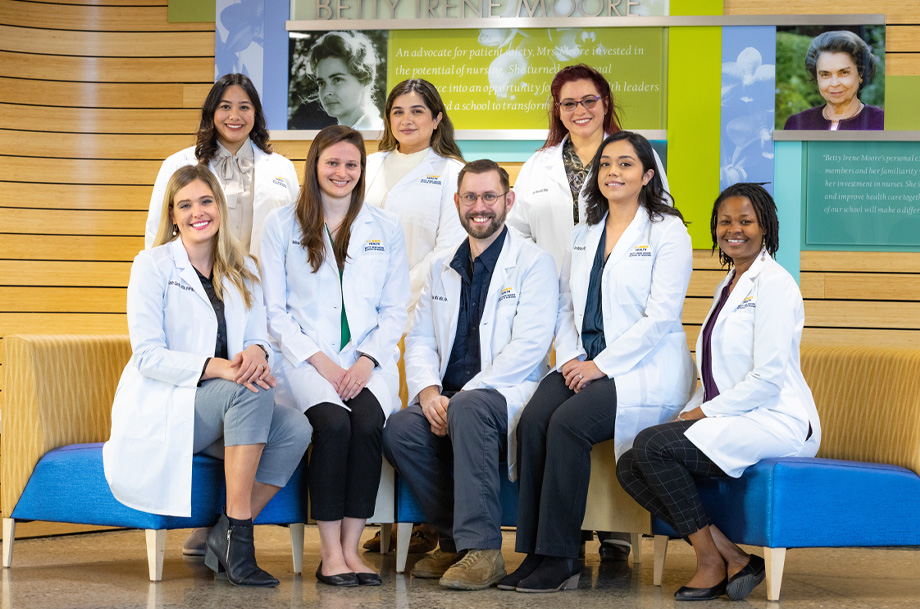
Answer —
(557, 130)
(442, 140)
(206, 148)
(309, 206)
(764, 207)
(652, 196)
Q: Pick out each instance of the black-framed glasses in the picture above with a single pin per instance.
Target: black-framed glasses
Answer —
(469, 198)
(588, 101)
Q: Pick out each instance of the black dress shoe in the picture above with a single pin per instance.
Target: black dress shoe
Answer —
(230, 549)
(553, 574)
(530, 564)
(346, 580)
(741, 583)
(700, 594)
(368, 579)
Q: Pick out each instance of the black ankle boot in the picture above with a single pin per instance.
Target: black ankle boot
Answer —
(553, 574)
(511, 581)
(230, 549)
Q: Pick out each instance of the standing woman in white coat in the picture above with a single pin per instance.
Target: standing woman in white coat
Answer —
(754, 403)
(336, 286)
(624, 359)
(414, 175)
(199, 379)
(547, 189)
(233, 142)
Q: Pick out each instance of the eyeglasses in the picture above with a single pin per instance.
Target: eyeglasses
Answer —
(588, 101)
(469, 198)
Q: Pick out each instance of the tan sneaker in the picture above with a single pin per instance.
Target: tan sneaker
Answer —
(434, 565)
(478, 570)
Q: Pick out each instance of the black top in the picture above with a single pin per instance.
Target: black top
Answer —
(475, 276)
(220, 347)
(592, 326)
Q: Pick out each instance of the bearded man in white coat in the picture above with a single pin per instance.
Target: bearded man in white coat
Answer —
(474, 356)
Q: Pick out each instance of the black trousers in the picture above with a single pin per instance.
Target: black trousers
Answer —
(660, 472)
(344, 468)
(555, 435)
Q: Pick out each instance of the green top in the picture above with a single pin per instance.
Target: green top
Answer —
(346, 331)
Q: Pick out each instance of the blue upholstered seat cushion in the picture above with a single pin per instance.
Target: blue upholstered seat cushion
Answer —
(408, 509)
(800, 503)
(68, 485)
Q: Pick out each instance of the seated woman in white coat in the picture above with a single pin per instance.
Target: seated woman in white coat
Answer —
(754, 403)
(199, 378)
(624, 361)
(234, 143)
(336, 287)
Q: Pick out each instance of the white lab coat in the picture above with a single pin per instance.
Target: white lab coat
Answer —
(764, 406)
(274, 185)
(173, 328)
(304, 308)
(515, 331)
(643, 287)
(423, 200)
(543, 202)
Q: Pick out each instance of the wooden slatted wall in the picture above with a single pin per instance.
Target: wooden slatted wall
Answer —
(94, 95)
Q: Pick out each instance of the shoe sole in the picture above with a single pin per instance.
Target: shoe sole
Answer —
(428, 574)
(193, 552)
(459, 584)
(739, 589)
(569, 584)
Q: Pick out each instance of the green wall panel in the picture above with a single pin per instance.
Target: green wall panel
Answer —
(901, 103)
(694, 97)
(190, 11)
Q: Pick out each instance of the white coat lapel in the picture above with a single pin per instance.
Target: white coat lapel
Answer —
(582, 261)
(450, 282)
(186, 270)
(504, 266)
(627, 241)
(742, 290)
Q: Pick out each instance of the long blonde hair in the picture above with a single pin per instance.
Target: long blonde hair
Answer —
(228, 259)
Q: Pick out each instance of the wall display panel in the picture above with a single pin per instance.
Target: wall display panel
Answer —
(748, 84)
(488, 78)
(862, 195)
(827, 73)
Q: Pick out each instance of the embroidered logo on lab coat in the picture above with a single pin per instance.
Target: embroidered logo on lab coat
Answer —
(747, 303)
(641, 251)
(187, 288)
(279, 181)
(431, 179)
(507, 294)
(439, 298)
(374, 245)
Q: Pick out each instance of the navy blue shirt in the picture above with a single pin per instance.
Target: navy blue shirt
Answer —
(592, 326)
(475, 276)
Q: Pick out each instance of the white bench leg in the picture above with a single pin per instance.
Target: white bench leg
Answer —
(635, 540)
(403, 534)
(156, 548)
(775, 559)
(386, 530)
(297, 546)
(661, 553)
(9, 533)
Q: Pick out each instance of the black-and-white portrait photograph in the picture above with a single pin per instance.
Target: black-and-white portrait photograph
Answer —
(337, 78)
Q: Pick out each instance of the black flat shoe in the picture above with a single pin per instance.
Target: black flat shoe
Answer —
(347, 580)
(701, 594)
(368, 579)
(741, 583)
(528, 566)
(553, 574)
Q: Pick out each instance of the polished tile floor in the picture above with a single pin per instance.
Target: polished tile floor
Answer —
(108, 570)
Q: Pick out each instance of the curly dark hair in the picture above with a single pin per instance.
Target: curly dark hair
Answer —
(206, 147)
(652, 196)
(842, 41)
(764, 207)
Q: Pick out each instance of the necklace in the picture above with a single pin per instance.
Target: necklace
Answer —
(842, 118)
